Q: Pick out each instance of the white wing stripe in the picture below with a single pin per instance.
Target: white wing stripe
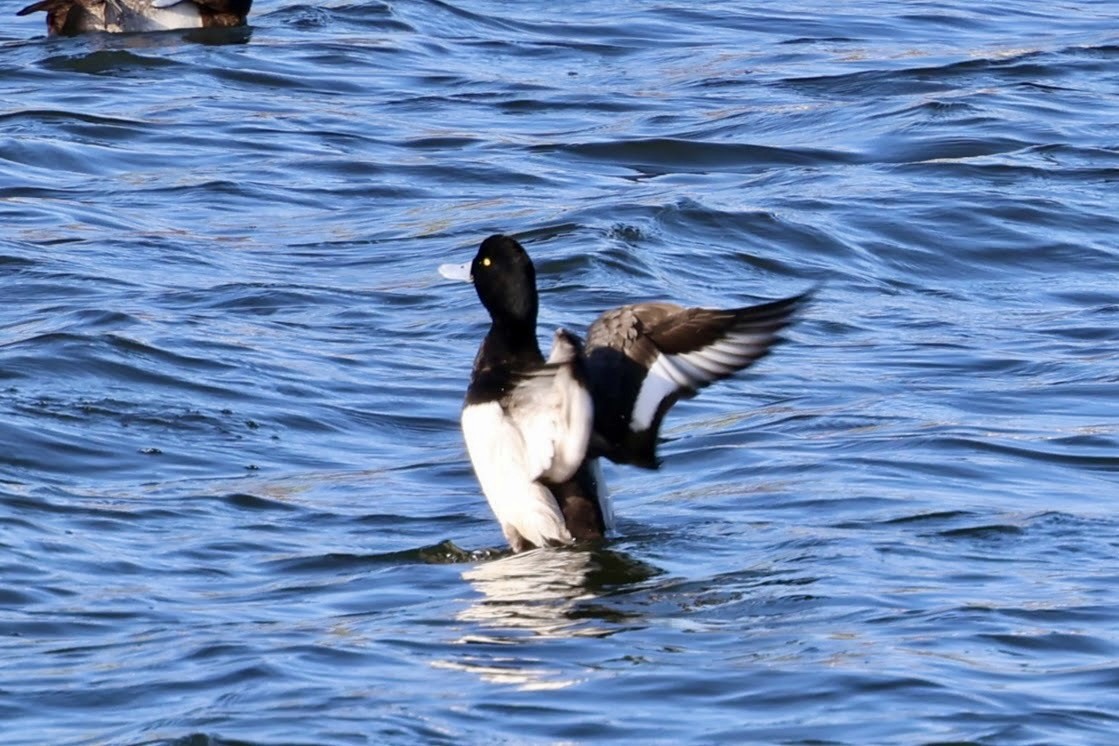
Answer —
(675, 372)
(741, 343)
(659, 383)
(722, 356)
(711, 366)
(692, 370)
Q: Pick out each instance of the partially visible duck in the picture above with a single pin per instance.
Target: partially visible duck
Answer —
(67, 17)
(535, 427)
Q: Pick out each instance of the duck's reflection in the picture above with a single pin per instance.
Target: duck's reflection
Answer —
(553, 593)
(537, 596)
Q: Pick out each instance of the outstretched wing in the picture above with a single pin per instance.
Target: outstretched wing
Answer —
(642, 359)
(47, 6)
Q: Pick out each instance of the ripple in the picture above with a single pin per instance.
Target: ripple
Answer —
(671, 156)
(113, 62)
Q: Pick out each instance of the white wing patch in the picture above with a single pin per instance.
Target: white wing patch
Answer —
(554, 414)
(556, 437)
(662, 380)
(573, 414)
(689, 371)
(524, 507)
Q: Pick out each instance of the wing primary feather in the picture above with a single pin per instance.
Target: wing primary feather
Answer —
(642, 359)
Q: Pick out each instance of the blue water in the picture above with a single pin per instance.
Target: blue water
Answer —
(235, 507)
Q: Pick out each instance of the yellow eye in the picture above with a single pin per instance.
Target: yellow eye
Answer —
(485, 261)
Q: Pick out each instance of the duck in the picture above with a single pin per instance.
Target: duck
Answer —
(70, 17)
(536, 428)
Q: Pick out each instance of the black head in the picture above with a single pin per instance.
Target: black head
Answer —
(505, 280)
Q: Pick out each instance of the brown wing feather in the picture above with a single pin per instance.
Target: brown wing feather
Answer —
(47, 6)
(694, 347)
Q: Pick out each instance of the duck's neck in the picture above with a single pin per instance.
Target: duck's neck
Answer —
(511, 343)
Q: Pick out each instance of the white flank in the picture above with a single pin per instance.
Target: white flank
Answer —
(127, 16)
(167, 17)
(524, 508)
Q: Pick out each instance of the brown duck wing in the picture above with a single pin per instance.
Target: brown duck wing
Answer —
(34, 7)
(63, 16)
(642, 359)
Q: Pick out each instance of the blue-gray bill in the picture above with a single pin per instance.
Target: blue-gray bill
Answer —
(456, 272)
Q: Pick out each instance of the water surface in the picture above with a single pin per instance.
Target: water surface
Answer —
(234, 502)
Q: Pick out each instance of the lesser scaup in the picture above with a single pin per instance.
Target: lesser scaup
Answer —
(68, 17)
(535, 428)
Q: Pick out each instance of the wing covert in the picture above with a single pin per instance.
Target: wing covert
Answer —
(642, 359)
